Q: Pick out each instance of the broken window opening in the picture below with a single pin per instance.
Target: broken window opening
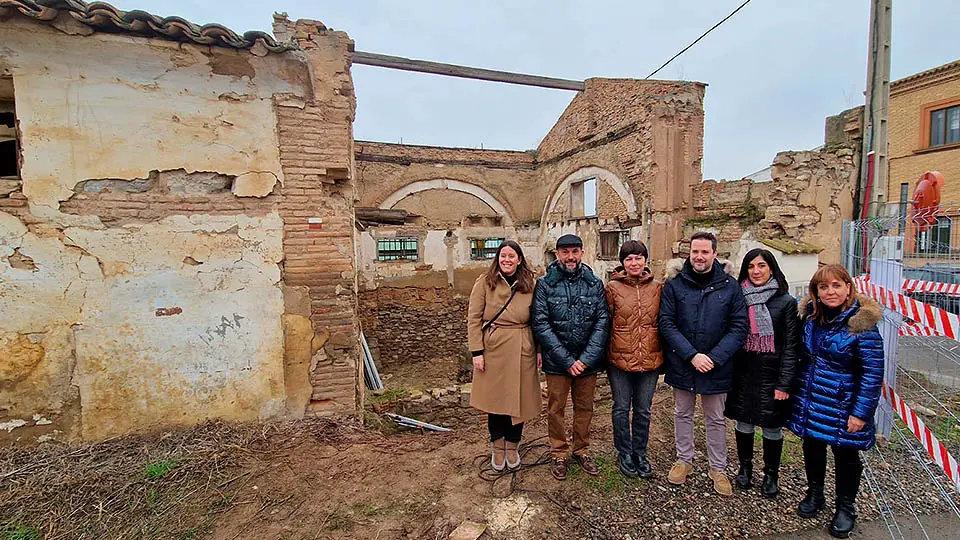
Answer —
(610, 242)
(583, 198)
(484, 248)
(9, 148)
(397, 249)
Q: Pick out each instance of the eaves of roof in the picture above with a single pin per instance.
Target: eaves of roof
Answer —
(102, 17)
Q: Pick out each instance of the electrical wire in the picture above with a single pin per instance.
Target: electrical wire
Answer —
(703, 35)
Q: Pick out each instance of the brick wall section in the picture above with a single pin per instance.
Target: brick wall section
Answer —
(907, 99)
(316, 154)
(405, 325)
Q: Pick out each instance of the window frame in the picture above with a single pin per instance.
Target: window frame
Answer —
(16, 136)
(926, 124)
(622, 236)
(484, 250)
(403, 252)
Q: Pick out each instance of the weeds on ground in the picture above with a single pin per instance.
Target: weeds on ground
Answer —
(11, 531)
(158, 469)
(609, 482)
(387, 395)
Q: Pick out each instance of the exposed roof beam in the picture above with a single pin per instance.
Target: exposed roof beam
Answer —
(453, 70)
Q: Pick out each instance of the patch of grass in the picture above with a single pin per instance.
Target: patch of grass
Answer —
(792, 449)
(388, 395)
(339, 522)
(158, 469)
(608, 482)
(11, 531)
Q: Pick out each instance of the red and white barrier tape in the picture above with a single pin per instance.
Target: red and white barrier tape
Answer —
(943, 322)
(919, 285)
(910, 328)
(934, 447)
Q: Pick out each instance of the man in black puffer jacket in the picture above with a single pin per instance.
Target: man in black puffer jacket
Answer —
(703, 321)
(571, 323)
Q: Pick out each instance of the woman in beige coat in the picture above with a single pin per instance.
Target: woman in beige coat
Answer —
(505, 360)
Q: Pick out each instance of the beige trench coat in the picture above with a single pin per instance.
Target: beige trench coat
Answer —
(509, 383)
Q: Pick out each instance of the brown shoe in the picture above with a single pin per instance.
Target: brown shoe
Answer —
(513, 456)
(559, 468)
(721, 484)
(678, 473)
(497, 455)
(587, 463)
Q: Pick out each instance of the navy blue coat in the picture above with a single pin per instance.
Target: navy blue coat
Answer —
(570, 319)
(840, 376)
(711, 320)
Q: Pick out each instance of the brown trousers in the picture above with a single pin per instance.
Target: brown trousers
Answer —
(582, 390)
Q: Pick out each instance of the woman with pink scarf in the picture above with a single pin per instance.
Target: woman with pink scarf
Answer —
(763, 370)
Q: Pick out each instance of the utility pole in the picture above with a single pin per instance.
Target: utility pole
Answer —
(873, 161)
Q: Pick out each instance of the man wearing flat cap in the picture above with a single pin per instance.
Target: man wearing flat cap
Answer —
(571, 323)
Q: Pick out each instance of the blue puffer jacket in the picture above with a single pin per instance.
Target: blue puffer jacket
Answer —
(839, 376)
(570, 319)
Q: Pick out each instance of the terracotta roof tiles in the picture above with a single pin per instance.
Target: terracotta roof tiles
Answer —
(103, 17)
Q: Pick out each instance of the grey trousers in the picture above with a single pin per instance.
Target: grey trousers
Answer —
(716, 426)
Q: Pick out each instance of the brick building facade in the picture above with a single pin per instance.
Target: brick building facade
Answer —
(924, 130)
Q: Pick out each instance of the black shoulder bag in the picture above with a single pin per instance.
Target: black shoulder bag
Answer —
(495, 317)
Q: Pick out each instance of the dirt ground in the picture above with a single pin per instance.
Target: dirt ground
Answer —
(327, 479)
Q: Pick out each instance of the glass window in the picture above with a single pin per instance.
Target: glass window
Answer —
(397, 249)
(937, 123)
(945, 126)
(953, 124)
(484, 248)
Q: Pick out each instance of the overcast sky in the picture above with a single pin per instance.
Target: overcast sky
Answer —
(775, 70)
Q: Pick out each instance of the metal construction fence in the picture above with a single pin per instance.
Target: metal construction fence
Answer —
(910, 264)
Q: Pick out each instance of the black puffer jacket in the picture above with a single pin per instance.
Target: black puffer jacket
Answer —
(756, 375)
(570, 319)
(710, 319)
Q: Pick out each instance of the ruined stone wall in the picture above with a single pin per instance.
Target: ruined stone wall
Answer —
(810, 196)
(156, 265)
(413, 324)
(647, 134)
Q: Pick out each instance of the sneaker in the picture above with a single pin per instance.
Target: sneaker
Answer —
(721, 484)
(678, 473)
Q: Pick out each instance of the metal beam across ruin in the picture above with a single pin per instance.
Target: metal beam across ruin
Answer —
(453, 70)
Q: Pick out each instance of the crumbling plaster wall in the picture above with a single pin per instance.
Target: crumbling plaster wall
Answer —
(157, 265)
(83, 118)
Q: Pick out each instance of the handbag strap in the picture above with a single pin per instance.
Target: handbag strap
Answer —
(495, 317)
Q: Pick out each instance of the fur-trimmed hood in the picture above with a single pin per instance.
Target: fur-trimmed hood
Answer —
(868, 313)
(675, 266)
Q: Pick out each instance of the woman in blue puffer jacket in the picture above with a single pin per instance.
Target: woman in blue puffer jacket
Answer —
(838, 389)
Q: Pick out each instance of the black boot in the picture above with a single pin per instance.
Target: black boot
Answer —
(627, 468)
(772, 449)
(849, 471)
(644, 470)
(745, 456)
(813, 502)
(815, 464)
(844, 519)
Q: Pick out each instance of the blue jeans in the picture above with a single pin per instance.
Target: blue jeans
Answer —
(631, 389)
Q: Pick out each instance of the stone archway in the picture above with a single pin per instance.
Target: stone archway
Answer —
(602, 175)
(454, 185)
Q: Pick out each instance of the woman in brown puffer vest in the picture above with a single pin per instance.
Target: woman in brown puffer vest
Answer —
(633, 296)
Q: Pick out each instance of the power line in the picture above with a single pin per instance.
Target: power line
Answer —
(712, 28)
